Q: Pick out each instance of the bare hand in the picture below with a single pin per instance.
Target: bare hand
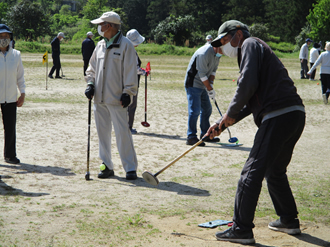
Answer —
(20, 100)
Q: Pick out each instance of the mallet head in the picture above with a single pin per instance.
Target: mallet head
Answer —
(87, 176)
(145, 124)
(150, 178)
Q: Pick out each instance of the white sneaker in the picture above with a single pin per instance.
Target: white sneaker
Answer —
(325, 100)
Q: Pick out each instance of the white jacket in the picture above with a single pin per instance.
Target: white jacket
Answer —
(313, 55)
(113, 71)
(11, 76)
(324, 60)
(303, 52)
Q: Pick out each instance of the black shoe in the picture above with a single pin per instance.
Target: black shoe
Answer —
(193, 141)
(13, 160)
(291, 227)
(106, 172)
(236, 236)
(303, 78)
(131, 175)
(215, 139)
(58, 77)
(50, 76)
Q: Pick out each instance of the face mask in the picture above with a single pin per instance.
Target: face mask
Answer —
(99, 31)
(229, 50)
(4, 43)
(218, 55)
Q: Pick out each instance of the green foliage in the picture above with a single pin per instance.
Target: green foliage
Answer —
(3, 12)
(303, 35)
(281, 46)
(259, 30)
(318, 19)
(94, 9)
(27, 20)
(177, 30)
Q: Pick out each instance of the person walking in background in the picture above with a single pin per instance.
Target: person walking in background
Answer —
(112, 74)
(324, 60)
(134, 36)
(56, 56)
(313, 55)
(264, 89)
(11, 78)
(208, 39)
(198, 83)
(303, 56)
(87, 48)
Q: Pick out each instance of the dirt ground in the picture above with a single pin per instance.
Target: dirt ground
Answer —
(46, 201)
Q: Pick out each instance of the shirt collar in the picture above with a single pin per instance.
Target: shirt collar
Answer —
(110, 41)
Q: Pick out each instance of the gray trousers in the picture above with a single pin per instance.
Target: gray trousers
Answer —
(304, 69)
(131, 111)
(269, 157)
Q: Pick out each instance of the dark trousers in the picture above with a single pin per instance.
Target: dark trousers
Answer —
(304, 69)
(312, 76)
(86, 62)
(56, 65)
(9, 125)
(270, 155)
(131, 111)
(325, 81)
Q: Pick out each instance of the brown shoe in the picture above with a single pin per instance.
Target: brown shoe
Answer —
(193, 141)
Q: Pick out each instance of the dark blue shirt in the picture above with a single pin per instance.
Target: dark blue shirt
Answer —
(87, 48)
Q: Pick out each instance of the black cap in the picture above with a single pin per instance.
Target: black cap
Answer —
(227, 27)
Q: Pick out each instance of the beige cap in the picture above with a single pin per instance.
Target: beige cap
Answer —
(111, 17)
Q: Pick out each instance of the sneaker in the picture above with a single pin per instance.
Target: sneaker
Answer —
(233, 236)
(292, 227)
(133, 131)
(325, 99)
(131, 175)
(193, 141)
(50, 76)
(58, 77)
(13, 160)
(105, 172)
(215, 139)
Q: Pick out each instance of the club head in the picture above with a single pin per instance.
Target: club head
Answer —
(150, 178)
(145, 124)
(87, 176)
(233, 140)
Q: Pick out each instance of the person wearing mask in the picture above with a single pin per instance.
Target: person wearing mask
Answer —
(303, 56)
(56, 51)
(112, 82)
(11, 79)
(87, 48)
(198, 83)
(264, 89)
(313, 55)
(134, 36)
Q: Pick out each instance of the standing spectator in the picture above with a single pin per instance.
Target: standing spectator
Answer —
(134, 36)
(208, 39)
(112, 73)
(199, 88)
(56, 56)
(303, 56)
(11, 78)
(324, 60)
(264, 89)
(87, 49)
(313, 55)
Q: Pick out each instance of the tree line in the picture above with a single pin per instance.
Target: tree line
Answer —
(173, 21)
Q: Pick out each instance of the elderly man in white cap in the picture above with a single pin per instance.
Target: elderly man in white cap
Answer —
(56, 55)
(112, 82)
(134, 36)
(87, 48)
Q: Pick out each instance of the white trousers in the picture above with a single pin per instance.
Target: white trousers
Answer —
(105, 116)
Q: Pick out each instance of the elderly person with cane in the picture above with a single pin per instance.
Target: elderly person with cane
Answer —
(11, 78)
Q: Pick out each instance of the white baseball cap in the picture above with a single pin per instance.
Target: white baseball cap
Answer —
(208, 37)
(61, 34)
(111, 17)
(90, 33)
(134, 36)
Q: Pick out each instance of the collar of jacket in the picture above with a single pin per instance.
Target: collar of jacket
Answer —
(116, 42)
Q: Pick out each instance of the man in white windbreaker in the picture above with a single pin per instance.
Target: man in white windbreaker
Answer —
(313, 55)
(303, 57)
(11, 78)
(111, 74)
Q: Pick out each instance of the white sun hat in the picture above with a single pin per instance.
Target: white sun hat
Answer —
(134, 36)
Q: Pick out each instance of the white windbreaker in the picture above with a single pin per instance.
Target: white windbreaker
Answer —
(11, 76)
(113, 71)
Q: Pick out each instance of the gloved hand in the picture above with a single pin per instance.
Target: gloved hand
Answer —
(89, 92)
(211, 94)
(125, 100)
